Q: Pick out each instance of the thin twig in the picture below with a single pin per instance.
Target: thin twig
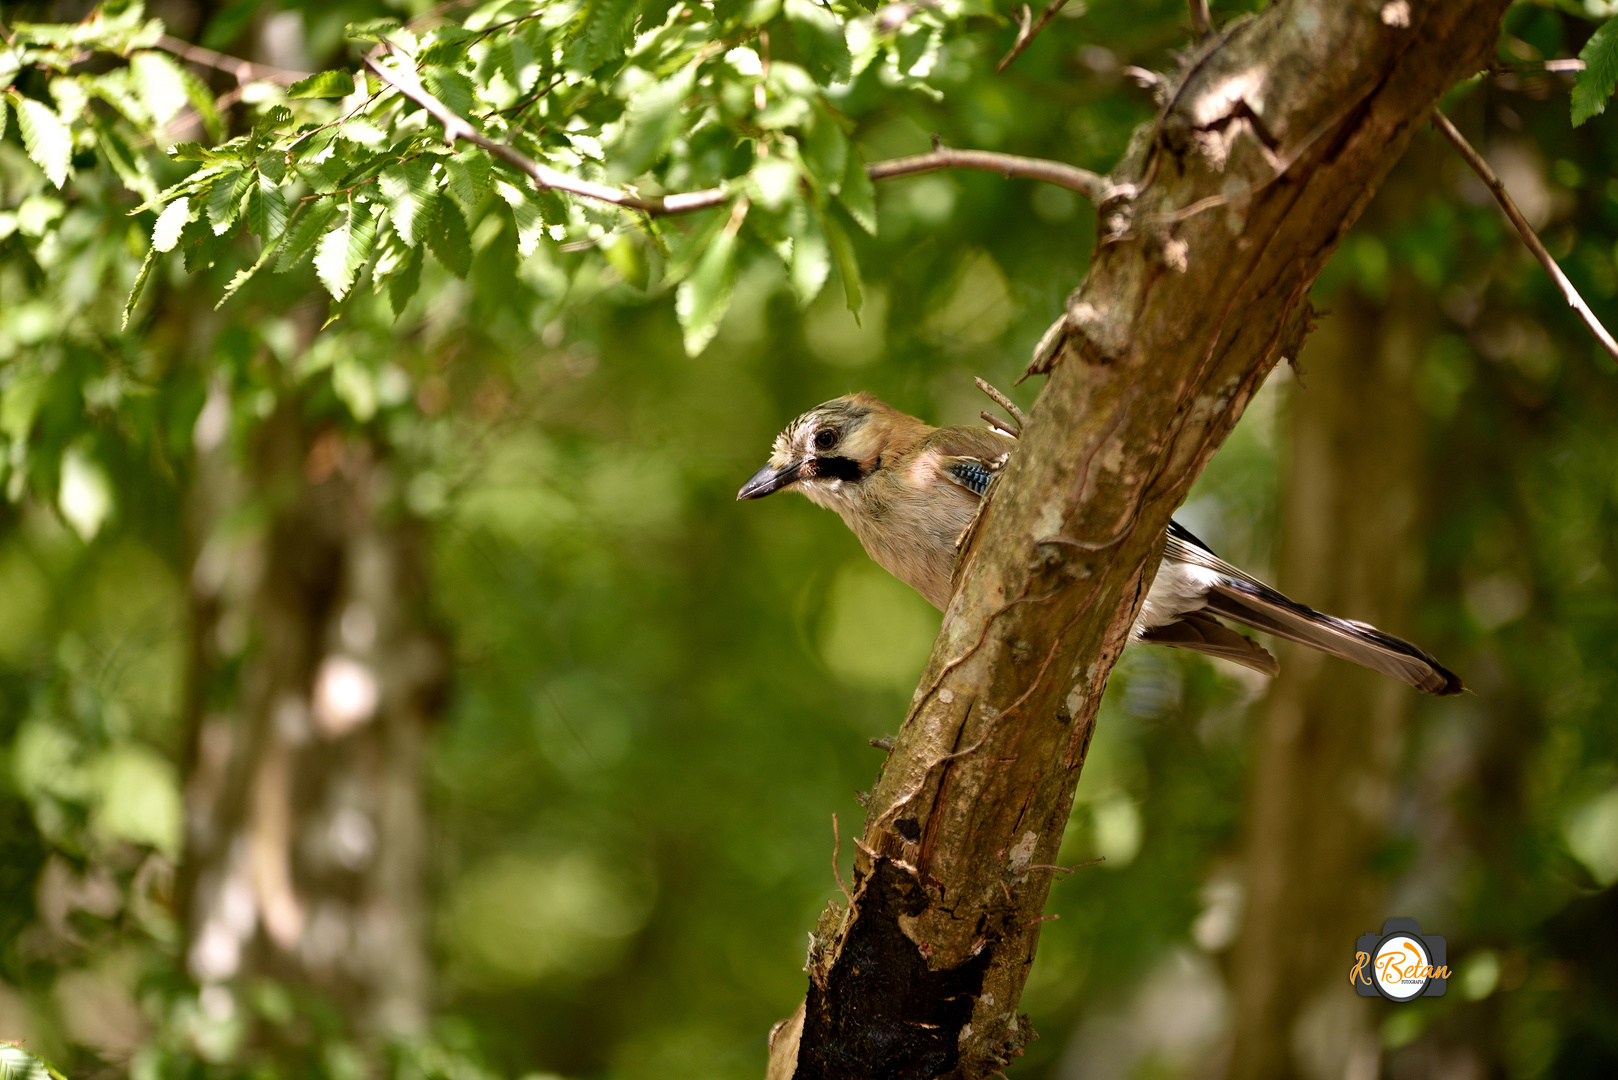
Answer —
(456, 128)
(1201, 18)
(1059, 173)
(1003, 401)
(1526, 231)
(1572, 63)
(529, 100)
(836, 851)
(999, 425)
(335, 123)
(243, 71)
(1027, 31)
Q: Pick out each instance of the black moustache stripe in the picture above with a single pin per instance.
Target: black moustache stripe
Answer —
(838, 468)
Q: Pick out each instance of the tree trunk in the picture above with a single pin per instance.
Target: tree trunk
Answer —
(1272, 138)
(1328, 747)
(314, 678)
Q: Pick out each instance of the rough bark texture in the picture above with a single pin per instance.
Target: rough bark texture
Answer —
(314, 678)
(1271, 139)
(1328, 745)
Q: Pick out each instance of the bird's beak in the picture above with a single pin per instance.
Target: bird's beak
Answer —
(769, 480)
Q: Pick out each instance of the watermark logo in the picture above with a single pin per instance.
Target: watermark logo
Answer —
(1401, 963)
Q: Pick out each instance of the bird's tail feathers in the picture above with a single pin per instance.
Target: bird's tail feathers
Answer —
(1201, 632)
(1262, 608)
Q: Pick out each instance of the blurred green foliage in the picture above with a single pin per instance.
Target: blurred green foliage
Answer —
(660, 697)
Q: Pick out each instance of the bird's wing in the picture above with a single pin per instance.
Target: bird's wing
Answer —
(1242, 598)
(970, 456)
(1201, 632)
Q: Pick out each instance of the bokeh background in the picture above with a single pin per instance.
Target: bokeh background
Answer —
(413, 698)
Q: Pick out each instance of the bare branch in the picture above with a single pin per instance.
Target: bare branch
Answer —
(1002, 426)
(1027, 31)
(1085, 182)
(1003, 401)
(1568, 64)
(457, 128)
(1526, 231)
(1201, 18)
(243, 71)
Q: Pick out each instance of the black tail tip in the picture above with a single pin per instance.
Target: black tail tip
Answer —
(1452, 683)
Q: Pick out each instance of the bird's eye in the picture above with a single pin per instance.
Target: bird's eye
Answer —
(826, 439)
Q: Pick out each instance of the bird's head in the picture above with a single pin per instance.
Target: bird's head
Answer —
(838, 443)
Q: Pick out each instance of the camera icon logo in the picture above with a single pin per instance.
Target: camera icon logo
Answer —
(1401, 963)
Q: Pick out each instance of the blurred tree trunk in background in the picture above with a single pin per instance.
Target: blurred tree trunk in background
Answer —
(314, 679)
(1330, 736)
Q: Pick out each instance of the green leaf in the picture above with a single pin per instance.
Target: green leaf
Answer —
(302, 237)
(451, 87)
(1594, 85)
(811, 258)
(404, 282)
(4, 113)
(225, 201)
(602, 32)
(914, 43)
(201, 245)
(272, 164)
(468, 175)
(160, 86)
(650, 123)
(409, 193)
(626, 257)
(341, 252)
(48, 141)
(449, 241)
(858, 194)
(192, 151)
(266, 210)
(773, 182)
(530, 225)
(132, 168)
(139, 287)
(701, 299)
(323, 84)
(18, 1064)
(824, 151)
(373, 30)
(166, 233)
(242, 277)
(821, 46)
(274, 118)
(848, 266)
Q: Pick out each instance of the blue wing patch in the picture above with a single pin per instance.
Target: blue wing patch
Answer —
(970, 473)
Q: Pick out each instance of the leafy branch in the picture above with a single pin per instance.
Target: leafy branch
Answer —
(403, 78)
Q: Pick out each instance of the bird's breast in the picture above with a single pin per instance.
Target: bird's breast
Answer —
(910, 530)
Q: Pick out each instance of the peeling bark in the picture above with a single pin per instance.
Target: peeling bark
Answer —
(1271, 139)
